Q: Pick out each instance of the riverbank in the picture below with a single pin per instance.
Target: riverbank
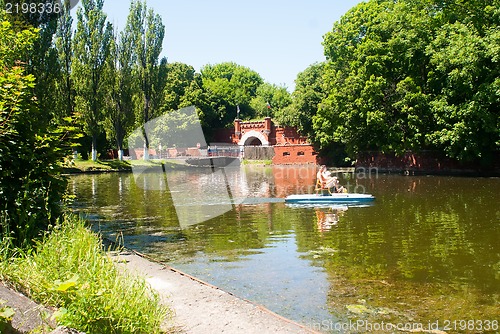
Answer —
(198, 307)
(108, 166)
(426, 163)
(203, 308)
(114, 166)
(111, 166)
(99, 166)
(69, 271)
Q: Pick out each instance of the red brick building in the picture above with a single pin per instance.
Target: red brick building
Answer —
(286, 145)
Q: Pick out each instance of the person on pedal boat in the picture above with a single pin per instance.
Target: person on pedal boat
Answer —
(327, 181)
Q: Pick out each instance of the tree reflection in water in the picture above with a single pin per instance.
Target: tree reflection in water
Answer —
(426, 250)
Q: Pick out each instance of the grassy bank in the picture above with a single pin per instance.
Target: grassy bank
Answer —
(89, 166)
(85, 166)
(70, 271)
(257, 162)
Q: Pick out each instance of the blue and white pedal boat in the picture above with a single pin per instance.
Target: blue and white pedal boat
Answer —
(329, 199)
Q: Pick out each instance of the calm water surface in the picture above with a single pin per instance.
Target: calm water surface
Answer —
(427, 250)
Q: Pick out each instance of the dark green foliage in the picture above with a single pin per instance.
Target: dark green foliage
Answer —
(308, 94)
(227, 86)
(465, 84)
(65, 96)
(273, 101)
(179, 80)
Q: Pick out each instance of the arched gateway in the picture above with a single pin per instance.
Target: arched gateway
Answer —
(250, 137)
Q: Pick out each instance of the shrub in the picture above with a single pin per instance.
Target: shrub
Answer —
(69, 270)
(31, 188)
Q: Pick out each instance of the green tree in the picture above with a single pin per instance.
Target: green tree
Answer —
(184, 88)
(196, 95)
(158, 87)
(64, 85)
(147, 32)
(227, 86)
(45, 67)
(412, 75)
(42, 62)
(273, 101)
(376, 56)
(465, 79)
(123, 85)
(91, 49)
(179, 79)
(307, 96)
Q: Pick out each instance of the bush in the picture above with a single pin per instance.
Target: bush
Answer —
(31, 188)
(69, 270)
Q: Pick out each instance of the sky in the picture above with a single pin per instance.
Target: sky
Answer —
(276, 38)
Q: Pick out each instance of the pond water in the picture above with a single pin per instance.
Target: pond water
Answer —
(426, 253)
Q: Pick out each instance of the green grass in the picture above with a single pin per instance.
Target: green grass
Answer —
(70, 271)
(257, 162)
(81, 166)
(85, 166)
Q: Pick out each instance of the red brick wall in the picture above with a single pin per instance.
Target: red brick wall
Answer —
(279, 135)
(137, 153)
(423, 162)
(113, 154)
(294, 154)
(224, 136)
(283, 135)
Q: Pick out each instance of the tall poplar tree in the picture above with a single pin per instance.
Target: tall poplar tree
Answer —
(91, 48)
(122, 88)
(44, 66)
(148, 32)
(63, 41)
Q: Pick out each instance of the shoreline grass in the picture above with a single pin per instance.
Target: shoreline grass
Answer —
(257, 162)
(69, 270)
(85, 166)
(102, 166)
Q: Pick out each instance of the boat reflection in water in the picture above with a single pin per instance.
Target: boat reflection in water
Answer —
(327, 215)
(327, 218)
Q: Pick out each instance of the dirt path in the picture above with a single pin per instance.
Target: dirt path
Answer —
(202, 308)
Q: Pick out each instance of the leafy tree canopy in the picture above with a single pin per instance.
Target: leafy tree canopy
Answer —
(229, 85)
(308, 94)
(273, 101)
(179, 79)
(409, 75)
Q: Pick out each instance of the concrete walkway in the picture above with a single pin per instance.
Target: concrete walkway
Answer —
(201, 308)
(28, 315)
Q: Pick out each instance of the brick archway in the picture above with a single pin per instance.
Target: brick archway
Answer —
(249, 136)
